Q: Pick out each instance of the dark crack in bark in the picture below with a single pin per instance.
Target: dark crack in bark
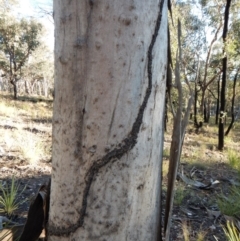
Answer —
(126, 145)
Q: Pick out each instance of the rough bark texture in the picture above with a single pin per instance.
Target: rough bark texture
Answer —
(110, 70)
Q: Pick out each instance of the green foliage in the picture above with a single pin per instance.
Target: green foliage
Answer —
(23, 56)
(8, 199)
(40, 66)
(230, 205)
(201, 33)
(18, 40)
(231, 232)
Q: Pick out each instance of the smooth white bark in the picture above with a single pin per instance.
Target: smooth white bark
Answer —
(101, 77)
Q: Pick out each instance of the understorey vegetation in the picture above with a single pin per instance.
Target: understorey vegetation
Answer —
(200, 160)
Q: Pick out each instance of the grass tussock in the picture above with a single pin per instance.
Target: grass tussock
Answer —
(230, 205)
(180, 194)
(29, 146)
(9, 202)
(234, 160)
(231, 232)
(187, 231)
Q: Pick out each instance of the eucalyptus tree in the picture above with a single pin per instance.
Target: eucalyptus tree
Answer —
(110, 71)
(197, 47)
(224, 78)
(18, 40)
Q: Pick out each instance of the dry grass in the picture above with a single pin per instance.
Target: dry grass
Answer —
(30, 146)
(188, 233)
(23, 130)
(165, 166)
(200, 153)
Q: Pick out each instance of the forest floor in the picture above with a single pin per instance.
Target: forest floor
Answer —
(25, 149)
(199, 214)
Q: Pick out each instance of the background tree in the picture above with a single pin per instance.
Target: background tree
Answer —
(197, 46)
(201, 39)
(18, 40)
(37, 74)
(179, 129)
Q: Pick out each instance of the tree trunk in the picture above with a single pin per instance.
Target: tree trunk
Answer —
(179, 128)
(217, 105)
(195, 105)
(197, 124)
(207, 108)
(166, 113)
(222, 108)
(45, 87)
(1, 81)
(205, 114)
(26, 87)
(233, 104)
(224, 79)
(110, 69)
(14, 83)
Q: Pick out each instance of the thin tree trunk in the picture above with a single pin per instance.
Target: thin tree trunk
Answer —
(222, 108)
(179, 128)
(205, 111)
(208, 109)
(195, 105)
(108, 120)
(197, 124)
(218, 99)
(45, 87)
(166, 113)
(224, 79)
(26, 87)
(14, 84)
(233, 103)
